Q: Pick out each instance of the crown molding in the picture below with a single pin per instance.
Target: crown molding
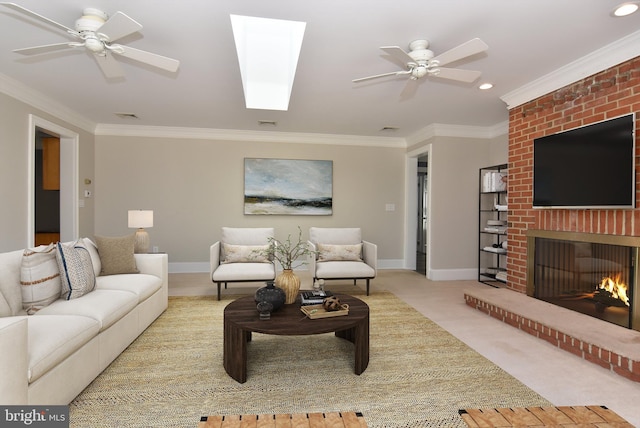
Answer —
(27, 95)
(239, 135)
(460, 131)
(613, 54)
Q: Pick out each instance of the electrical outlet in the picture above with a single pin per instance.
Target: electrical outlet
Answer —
(155, 249)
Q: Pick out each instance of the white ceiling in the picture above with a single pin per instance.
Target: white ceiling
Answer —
(528, 40)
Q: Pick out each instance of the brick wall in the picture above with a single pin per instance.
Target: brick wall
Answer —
(608, 94)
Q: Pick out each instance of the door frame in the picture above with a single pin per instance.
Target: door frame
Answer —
(69, 149)
(411, 207)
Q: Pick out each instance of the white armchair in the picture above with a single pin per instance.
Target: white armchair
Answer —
(342, 254)
(239, 256)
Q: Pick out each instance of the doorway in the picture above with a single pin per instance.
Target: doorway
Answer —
(422, 220)
(68, 165)
(47, 188)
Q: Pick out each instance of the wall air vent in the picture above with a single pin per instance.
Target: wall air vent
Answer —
(127, 115)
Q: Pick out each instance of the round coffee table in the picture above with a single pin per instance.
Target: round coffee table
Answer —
(241, 318)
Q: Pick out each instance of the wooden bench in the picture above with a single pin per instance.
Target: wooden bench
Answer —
(295, 420)
(565, 416)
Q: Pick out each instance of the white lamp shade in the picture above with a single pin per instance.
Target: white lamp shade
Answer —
(140, 218)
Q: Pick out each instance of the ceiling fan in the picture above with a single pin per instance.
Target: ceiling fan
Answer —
(420, 61)
(96, 32)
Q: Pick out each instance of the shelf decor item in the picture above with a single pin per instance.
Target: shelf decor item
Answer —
(289, 254)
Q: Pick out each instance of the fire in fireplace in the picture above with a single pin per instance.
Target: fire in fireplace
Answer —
(593, 278)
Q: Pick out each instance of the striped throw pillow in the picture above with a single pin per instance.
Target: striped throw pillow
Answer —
(39, 278)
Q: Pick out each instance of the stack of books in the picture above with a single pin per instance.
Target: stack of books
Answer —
(314, 297)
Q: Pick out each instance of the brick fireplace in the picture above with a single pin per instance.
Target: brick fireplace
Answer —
(608, 94)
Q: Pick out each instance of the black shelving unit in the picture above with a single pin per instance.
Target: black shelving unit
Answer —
(492, 221)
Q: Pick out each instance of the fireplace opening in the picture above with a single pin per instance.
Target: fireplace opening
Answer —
(595, 279)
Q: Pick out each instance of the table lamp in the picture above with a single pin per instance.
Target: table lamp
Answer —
(139, 219)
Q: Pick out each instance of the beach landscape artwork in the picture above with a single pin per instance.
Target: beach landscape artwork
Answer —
(288, 187)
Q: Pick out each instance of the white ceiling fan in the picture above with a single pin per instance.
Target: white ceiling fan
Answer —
(96, 32)
(420, 61)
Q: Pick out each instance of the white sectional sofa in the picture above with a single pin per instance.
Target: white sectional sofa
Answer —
(49, 357)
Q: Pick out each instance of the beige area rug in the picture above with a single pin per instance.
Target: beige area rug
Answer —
(419, 375)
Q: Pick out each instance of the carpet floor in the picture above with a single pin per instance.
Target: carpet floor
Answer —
(419, 375)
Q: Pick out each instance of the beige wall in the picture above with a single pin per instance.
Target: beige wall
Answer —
(14, 159)
(195, 187)
(454, 164)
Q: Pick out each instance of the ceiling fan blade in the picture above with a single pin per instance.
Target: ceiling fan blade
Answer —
(393, 73)
(118, 26)
(36, 50)
(152, 59)
(399, 54)
(464, 50)
(458, 74)
(109, 66)
(41, 18)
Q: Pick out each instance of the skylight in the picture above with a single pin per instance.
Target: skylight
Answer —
(268, 51)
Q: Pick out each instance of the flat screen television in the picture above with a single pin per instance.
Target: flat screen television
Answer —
(588, 167)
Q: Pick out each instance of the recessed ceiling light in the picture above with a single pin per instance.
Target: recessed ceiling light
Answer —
(389, 129)
(485, 86)
(625, 9)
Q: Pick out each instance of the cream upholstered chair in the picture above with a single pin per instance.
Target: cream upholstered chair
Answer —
(342, 254)
(237, 257)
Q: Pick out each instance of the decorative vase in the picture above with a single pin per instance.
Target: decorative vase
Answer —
(271, 294)
(290, 283)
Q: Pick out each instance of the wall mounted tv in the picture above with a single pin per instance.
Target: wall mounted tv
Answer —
(588, 167)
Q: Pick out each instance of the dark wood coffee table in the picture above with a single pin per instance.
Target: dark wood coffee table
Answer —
(241, 318)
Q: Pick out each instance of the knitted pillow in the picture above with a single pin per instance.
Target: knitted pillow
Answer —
(116, 254)
(76, 270)
(39, 278)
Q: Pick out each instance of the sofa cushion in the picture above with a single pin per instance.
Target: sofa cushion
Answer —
(51, 339)
(142, 285)
(245, 253)
(344, 269)
(39, 278)
(10, 293)
(76, 270)
(105, 306)
(116, 254)
(244, 271)
(331, 252)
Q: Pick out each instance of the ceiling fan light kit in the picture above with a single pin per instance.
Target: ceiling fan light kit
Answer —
(96, 31)
(421, 61)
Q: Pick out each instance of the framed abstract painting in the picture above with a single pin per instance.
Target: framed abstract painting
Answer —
(288, 187)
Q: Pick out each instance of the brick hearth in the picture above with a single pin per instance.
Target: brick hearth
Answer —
(610, 346)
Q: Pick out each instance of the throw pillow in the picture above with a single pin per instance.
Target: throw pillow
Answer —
(245, 253)
(116, 254)
(331, 252)
(76, 270)
(39, 278)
